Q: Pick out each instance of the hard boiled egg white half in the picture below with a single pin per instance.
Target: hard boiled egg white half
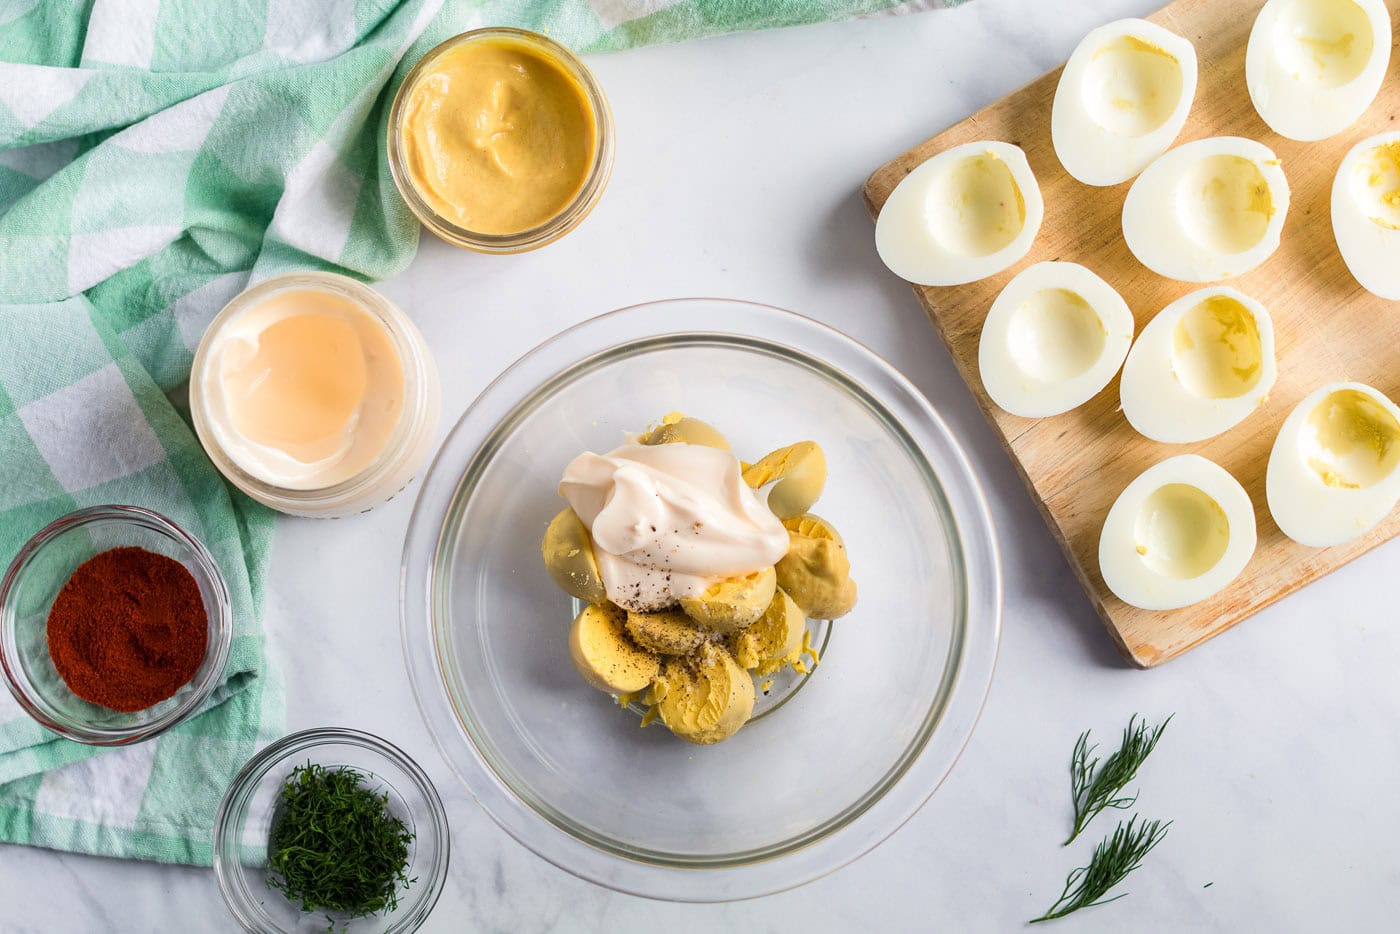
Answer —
(1207, 210)
(1334, 471)
(1366, 213)
(1179, 533)
(967, 213)
(1053, 338)
(1199, 367)
(1314, 66)
(1121, 101)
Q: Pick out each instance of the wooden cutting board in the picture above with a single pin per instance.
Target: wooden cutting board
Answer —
(1326, 326)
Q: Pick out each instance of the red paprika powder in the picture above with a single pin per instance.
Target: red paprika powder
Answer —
(128, 630)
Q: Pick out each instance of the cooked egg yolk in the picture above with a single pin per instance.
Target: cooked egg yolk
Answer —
(1350, 441)
(1376, 185)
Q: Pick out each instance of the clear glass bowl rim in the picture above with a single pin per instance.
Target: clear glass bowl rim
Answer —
(971, 525)
(220, 619)
(234, 804)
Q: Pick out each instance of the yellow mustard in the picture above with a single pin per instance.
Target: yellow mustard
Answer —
(498, 136)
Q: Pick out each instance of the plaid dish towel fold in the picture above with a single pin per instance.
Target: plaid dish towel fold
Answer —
(155, 157)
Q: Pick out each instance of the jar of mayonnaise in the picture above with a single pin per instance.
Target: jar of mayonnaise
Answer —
(315, 395)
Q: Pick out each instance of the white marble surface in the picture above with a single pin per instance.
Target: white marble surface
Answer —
(739, 162)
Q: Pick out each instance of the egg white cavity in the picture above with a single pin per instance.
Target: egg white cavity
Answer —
(1366, 213)
(1314, 66)
(1350, 440)
(1122, 99)
(1179, 533)
(967, 213)
(1052, 340)
(1334, 471)
(1200, 366)
(1207, 210)
(1055, 335)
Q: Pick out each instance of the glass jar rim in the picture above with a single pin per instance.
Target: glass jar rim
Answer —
(418, 370)
(571, 215)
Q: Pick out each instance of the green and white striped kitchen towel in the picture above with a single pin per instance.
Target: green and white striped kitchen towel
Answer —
(156, 155)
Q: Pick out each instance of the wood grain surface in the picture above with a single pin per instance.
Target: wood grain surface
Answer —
(1326, 326)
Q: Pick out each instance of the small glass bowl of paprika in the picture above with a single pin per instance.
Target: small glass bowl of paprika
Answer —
(145, 659)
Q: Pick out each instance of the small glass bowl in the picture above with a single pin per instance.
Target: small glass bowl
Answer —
(405, 451)
(244, 823)
(558, 225)
(30, 587)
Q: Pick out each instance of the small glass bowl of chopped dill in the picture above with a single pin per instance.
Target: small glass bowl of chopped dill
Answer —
(331, 830)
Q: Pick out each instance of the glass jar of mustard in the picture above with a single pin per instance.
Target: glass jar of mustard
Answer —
(500, 140)
(315, 395)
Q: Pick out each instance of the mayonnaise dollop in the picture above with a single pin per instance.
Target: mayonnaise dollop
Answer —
(669, 520)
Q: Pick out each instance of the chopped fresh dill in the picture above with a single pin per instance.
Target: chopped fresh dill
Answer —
(1095, 787)
(1116, 855)
(335, 846)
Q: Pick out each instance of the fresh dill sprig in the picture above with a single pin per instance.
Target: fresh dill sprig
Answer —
(335, 846)
(1094, 787)
(1114, 857)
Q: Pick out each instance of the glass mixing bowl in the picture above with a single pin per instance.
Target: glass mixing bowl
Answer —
(854, 750)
